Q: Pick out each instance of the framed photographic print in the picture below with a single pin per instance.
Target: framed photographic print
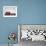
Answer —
(9, 11)
(33, 32)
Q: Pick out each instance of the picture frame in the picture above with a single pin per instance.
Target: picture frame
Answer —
(39, 35)
(9, 11)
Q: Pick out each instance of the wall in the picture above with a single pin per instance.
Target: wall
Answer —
(29, 12)
(7, 25)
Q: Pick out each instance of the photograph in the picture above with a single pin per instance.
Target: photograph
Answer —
(9, 11)
(29, 33)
